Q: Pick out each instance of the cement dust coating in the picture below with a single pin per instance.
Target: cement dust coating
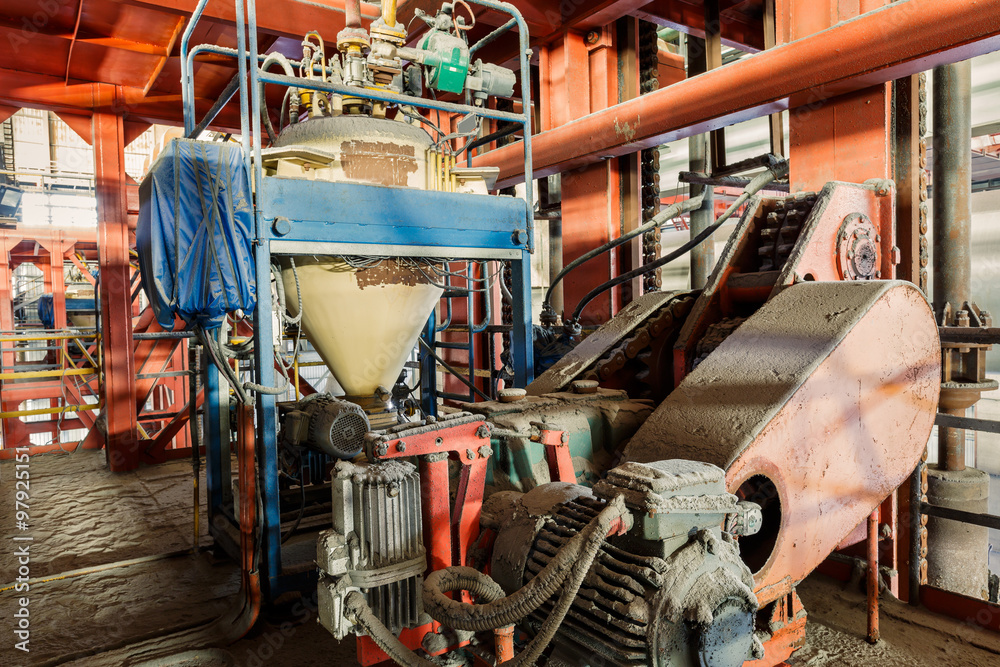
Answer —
(91, 517)
(910, 636)
(84, 517)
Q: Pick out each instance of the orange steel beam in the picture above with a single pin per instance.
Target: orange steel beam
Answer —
(885, 44)
(154, 452)
(285, 19)
(40, 91)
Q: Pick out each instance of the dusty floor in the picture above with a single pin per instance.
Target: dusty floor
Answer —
(98, 546)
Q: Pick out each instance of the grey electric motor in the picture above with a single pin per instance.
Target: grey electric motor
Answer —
(376, 546)
(672, 591)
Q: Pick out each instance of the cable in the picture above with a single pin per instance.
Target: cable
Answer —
(779, 170)
(668, 213)
(272, 58)
(515, 607)
(302, 504)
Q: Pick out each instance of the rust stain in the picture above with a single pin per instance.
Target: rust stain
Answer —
(379, 162)
(390, 272)
(626, 131)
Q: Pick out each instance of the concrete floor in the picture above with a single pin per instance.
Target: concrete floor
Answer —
(89, 614)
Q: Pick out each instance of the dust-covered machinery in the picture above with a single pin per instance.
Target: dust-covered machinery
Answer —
(651, 499)
(654, 497)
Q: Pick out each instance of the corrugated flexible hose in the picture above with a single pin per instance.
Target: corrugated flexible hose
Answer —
(567, 570)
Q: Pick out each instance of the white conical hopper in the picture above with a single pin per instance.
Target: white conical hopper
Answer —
(363, 322)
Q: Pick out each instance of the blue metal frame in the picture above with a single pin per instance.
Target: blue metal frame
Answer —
(392, 221)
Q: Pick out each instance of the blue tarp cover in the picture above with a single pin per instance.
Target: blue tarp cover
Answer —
(46, 310)
(195, 234)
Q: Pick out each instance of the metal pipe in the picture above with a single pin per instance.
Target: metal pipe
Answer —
(389, 97)
(916, 527)
(952, 177)
(224, 98)
(702, 255)
(352, 10)
(952, 202)
(187, 97)
(194, 355)
(556, 298)
(490, 38)
(388, 11)
(873, 519)
(900, 38)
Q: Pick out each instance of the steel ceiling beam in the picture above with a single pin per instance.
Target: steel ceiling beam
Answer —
(285, 19)
(689, 17)
(38, 91)
(897, 40)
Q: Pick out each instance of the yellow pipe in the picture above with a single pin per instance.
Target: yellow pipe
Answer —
(296, 365)
(453, 185)
(17, 339)
(83, 349)
(50, 411)
(389, 12)
(24, 375)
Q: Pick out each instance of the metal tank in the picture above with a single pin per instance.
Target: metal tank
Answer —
(363, 315)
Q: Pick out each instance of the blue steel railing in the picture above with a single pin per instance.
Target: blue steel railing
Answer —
(250, 100)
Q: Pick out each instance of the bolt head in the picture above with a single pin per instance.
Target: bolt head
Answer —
(281, 226)
(470, 454)
(593, 37)
(401, 447)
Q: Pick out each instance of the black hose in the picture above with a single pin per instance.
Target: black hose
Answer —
(515, 607)
(272, 58)
(756, 185)
(356, 606)
(489, 138)
(671, 211)
(576, 562)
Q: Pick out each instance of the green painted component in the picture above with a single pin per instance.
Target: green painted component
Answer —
(597, 426)
(447, 62)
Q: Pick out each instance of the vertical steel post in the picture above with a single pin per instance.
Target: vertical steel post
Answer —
(428, 369)
(952, 179)
(119, 386)
(952, 202)
(873, 520)
(194, 354)
(521, 336)
(703, 255)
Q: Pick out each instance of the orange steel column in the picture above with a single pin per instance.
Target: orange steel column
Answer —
(14, 432)
(845, 138)
(118, 390)
(579, 74)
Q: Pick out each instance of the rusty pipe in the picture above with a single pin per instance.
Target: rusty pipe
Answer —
(352, 11)
(952, 233)
(873, 520)
(899, 39)
(952, 178)
(702, 255)
(504, 644)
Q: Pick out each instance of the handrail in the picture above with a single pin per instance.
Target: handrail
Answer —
(250, 99)
(186, 98)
